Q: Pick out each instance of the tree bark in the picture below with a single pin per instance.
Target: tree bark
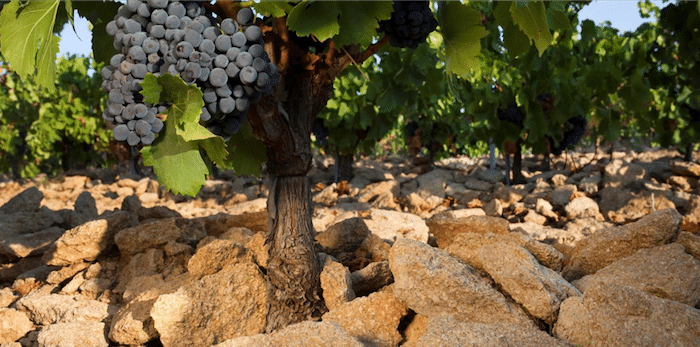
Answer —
(283, 122)
(689, 152)
(343, 168)
(293, 269)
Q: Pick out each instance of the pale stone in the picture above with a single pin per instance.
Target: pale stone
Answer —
(154, 234)
(86, 242)
(29, 244)
(433, 283)
(344, 236)
(75, 334)
(335, 282)
(304, 334)
(609, 245)
(213, 256)
(691, 243)
(393, 225)
(132, 324)
(445, 229)
(620, 173)
(445, 331)
(466, 246)
(371, 278)
(240, 293)
(28, 200)
(538, 289)
(47, 309)
(582, 207)
(614, 315)
(666, 271)
(373, 320)
(13, 325)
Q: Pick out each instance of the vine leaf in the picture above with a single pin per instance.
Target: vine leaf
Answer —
(177, 163)
(26, 35)
(532, 20)
(175, 158)
(514, 39)
(325, 19)
(273, 8)
(461, 31)
(359, 21)
(99, 13)
(246, 152)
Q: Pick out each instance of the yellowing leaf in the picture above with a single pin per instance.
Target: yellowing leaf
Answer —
(532, 20)
(462, 32)
(27, 40)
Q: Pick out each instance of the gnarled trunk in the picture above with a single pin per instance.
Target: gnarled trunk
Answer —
(293, 269)
(343, 167)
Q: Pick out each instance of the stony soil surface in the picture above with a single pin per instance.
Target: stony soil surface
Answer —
(604, 252)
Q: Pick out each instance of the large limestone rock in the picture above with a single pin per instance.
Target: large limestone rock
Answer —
(152, 235)
(538, 289)
(445, 331)
(371, 278)
(392, 225)
(433, 283)
(614, 315)
(336, 283)
(132, 324)
(29, 200)
(445, 229)
(13, 325)
(344, 236)
(434, 182)
(304, 334)
(373, 320)
(47, 309)
(583, 207)
(466, 246)
(213, 256)
(76, 334)
(666, 271)
(609, 245)
(691, 243)
(29, 244)
(86, 242)
(619, 173)
(232, 302)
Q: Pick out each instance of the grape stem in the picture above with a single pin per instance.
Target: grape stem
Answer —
(359, 68)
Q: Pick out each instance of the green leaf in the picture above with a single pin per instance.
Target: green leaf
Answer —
(177, 163)
(359, 21)
(461, 31)
(151, 89)
(319, 18)
(532, 20)
(514, 39)
(183, 135)
(216, 150)
(272, 8)
(557, 20)
(69, 12)
(27, 40)
(246, 152)
(99, 13)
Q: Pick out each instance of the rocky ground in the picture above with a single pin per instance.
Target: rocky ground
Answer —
(607, 255)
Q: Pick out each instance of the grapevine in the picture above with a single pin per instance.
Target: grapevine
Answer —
(226, 60)
(410, 23)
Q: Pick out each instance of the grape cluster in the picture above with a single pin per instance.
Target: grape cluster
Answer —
(512, 114)
(226, 60)
(320, 132)
(575, 129)
(410, 23)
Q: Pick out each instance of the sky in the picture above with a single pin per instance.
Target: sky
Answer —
(622, 14)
